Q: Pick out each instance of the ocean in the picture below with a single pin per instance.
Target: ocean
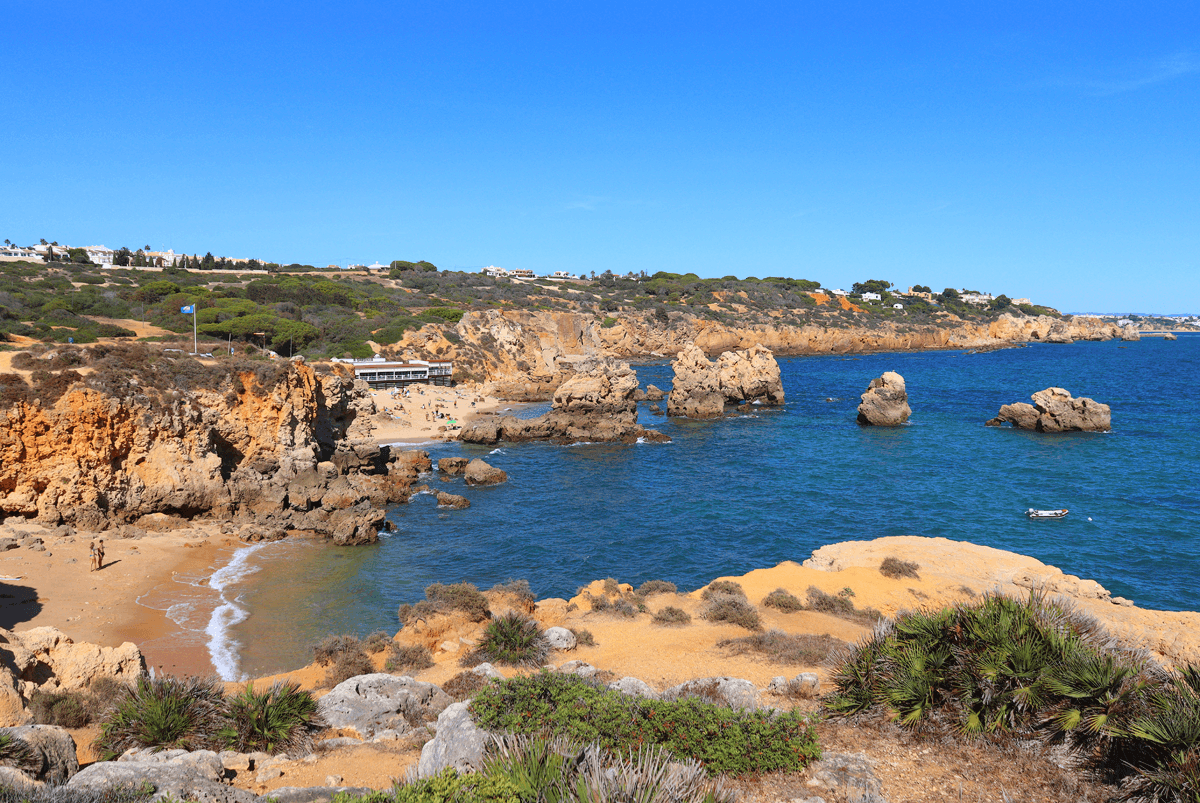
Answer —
(748, 491)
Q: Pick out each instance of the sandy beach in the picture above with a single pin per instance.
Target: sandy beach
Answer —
(55, 588)
(421, 413)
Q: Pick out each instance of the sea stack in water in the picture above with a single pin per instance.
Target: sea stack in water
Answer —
(701, 388)
(885, 404)
(1054, 410)
(592, 406)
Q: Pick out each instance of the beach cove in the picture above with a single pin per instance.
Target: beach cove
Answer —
(775, 484)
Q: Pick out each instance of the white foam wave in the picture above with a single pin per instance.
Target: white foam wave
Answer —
(222, 646)
(497, 450)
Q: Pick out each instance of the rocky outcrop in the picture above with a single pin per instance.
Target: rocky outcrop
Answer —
(452, 501)
(194, 776)
(479, 472)
(1055, 410)
(45, 659)
(653, 393)
(371, 704)
(885, 403)
(280, 446)
(598, 406)
(452, 466)
(1130, 333)
(702, 389)
(54, 760)
(459, 743)
(731, 692)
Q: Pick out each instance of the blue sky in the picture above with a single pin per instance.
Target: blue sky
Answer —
(1043, 150)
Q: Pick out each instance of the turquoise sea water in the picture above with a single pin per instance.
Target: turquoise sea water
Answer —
(750, 491)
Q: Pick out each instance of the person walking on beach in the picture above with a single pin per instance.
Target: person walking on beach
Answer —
(92, 556)
(100, 555)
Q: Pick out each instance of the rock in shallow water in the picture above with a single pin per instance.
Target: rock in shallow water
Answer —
(885, 402)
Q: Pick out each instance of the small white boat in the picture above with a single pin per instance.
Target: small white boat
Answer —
(1046, 514)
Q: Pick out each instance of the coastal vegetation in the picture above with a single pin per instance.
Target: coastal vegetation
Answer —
(194, 714)
(1035, 669)
(511, 639)
(723, 739)
(293, 310)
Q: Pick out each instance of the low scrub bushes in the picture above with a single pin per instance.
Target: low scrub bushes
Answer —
(723, 740)
(671, 616)
(465, 685)
(804, 649)
(408, 658)
(75, 708)
(583, 637)
(652, 587)
(723, 587)
(1033, 669)
(441, 598)
(840, 606)
(194, 714)
(376, 642)
(732, 609)
(783, 600)
(513, 640)
(344, 656)
(141, 793)
(896, 568)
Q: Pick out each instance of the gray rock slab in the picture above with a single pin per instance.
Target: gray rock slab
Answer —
(488, 671)
(18, 781)
(53, 749)
(312, 794)
(459, 743)
(733, 692)
(560, 638)
(634, 687)
(371, 703)
(194, 777)
(581, 668)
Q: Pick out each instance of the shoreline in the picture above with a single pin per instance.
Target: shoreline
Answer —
(54, 588)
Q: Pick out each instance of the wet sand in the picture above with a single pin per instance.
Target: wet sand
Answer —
(55, 588)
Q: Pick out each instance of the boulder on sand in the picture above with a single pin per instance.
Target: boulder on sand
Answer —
(1055, 410)
(885, 403)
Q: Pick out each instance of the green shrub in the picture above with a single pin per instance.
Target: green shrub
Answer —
(282, 718)
(671, 616)
(608, 322)
(652, 587)
(782, 600)
(723, 587)
(408, 658)
(732, 609)
(724, 740)
(896, 568)
(165, 713)
(512, 640)
(804, 649)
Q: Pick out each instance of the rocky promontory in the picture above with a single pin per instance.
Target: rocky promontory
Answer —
(1055, 410)
(702, 388)
(146, 439)
(596, 405)
(885, 402)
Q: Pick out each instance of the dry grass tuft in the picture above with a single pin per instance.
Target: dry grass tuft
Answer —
(732, 609)
(671, 616)
(724, 588)
(804, 649)
(895, 568)
(783, 600)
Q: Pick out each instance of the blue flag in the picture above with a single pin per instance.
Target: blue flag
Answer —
(190, 308)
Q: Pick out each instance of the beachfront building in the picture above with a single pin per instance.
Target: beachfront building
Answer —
(162, 259)
(872, 297)
(379, 372)
(838, 293)
(12, 253)
(100, 254)
(978, 299)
